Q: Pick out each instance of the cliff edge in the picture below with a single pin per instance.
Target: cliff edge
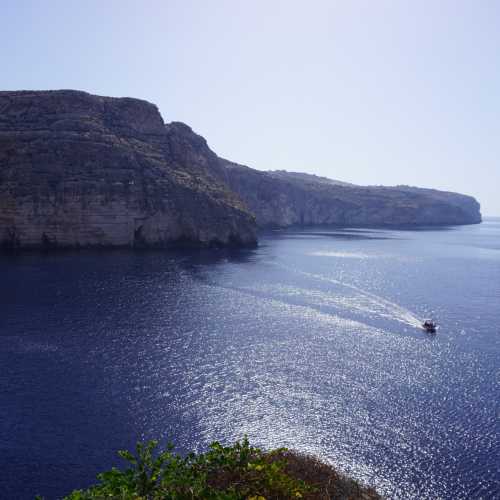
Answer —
(280, 198)
(80, 170)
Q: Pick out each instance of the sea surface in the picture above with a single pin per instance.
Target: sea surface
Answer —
(310, 341)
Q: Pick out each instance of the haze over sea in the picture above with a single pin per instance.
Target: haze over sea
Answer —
(310, 341)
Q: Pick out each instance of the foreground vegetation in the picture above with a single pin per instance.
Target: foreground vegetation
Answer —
(222, 473)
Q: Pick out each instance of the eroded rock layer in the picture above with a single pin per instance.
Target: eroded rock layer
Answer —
(83, 170)
(281, 199)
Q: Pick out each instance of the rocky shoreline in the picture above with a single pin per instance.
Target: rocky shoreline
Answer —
(79, 170)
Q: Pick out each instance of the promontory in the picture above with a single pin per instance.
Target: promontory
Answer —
(80, 170)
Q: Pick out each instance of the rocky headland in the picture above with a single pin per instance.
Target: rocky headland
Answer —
(79, 170)
(281, 199)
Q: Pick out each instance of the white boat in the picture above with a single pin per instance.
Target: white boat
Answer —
(429, 326)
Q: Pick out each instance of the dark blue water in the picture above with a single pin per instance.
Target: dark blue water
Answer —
(309, 341)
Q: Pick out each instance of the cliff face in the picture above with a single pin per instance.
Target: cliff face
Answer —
(281, 199)
(83, 170)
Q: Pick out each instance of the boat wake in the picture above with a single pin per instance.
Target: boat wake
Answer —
(372, 303)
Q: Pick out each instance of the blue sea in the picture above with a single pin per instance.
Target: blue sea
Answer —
(311, 341)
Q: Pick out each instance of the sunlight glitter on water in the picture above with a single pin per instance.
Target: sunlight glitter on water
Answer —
(321, 354)
(346, 255)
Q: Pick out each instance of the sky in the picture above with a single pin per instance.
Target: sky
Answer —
(369, 92)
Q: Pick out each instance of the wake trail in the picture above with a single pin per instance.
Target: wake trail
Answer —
(390, 309)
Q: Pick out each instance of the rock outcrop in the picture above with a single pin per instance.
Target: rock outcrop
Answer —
(281, 199)
(82, 170)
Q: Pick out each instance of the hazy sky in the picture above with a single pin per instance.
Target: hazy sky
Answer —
(371, 92)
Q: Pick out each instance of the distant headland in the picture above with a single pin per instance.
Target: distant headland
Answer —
(80, 170)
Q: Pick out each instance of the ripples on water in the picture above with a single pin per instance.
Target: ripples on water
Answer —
(310, 341)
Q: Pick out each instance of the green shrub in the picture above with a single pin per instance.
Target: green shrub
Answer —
(222, 473)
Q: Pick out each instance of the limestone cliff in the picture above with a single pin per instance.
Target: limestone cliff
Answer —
(83, 170)
(280, 199)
